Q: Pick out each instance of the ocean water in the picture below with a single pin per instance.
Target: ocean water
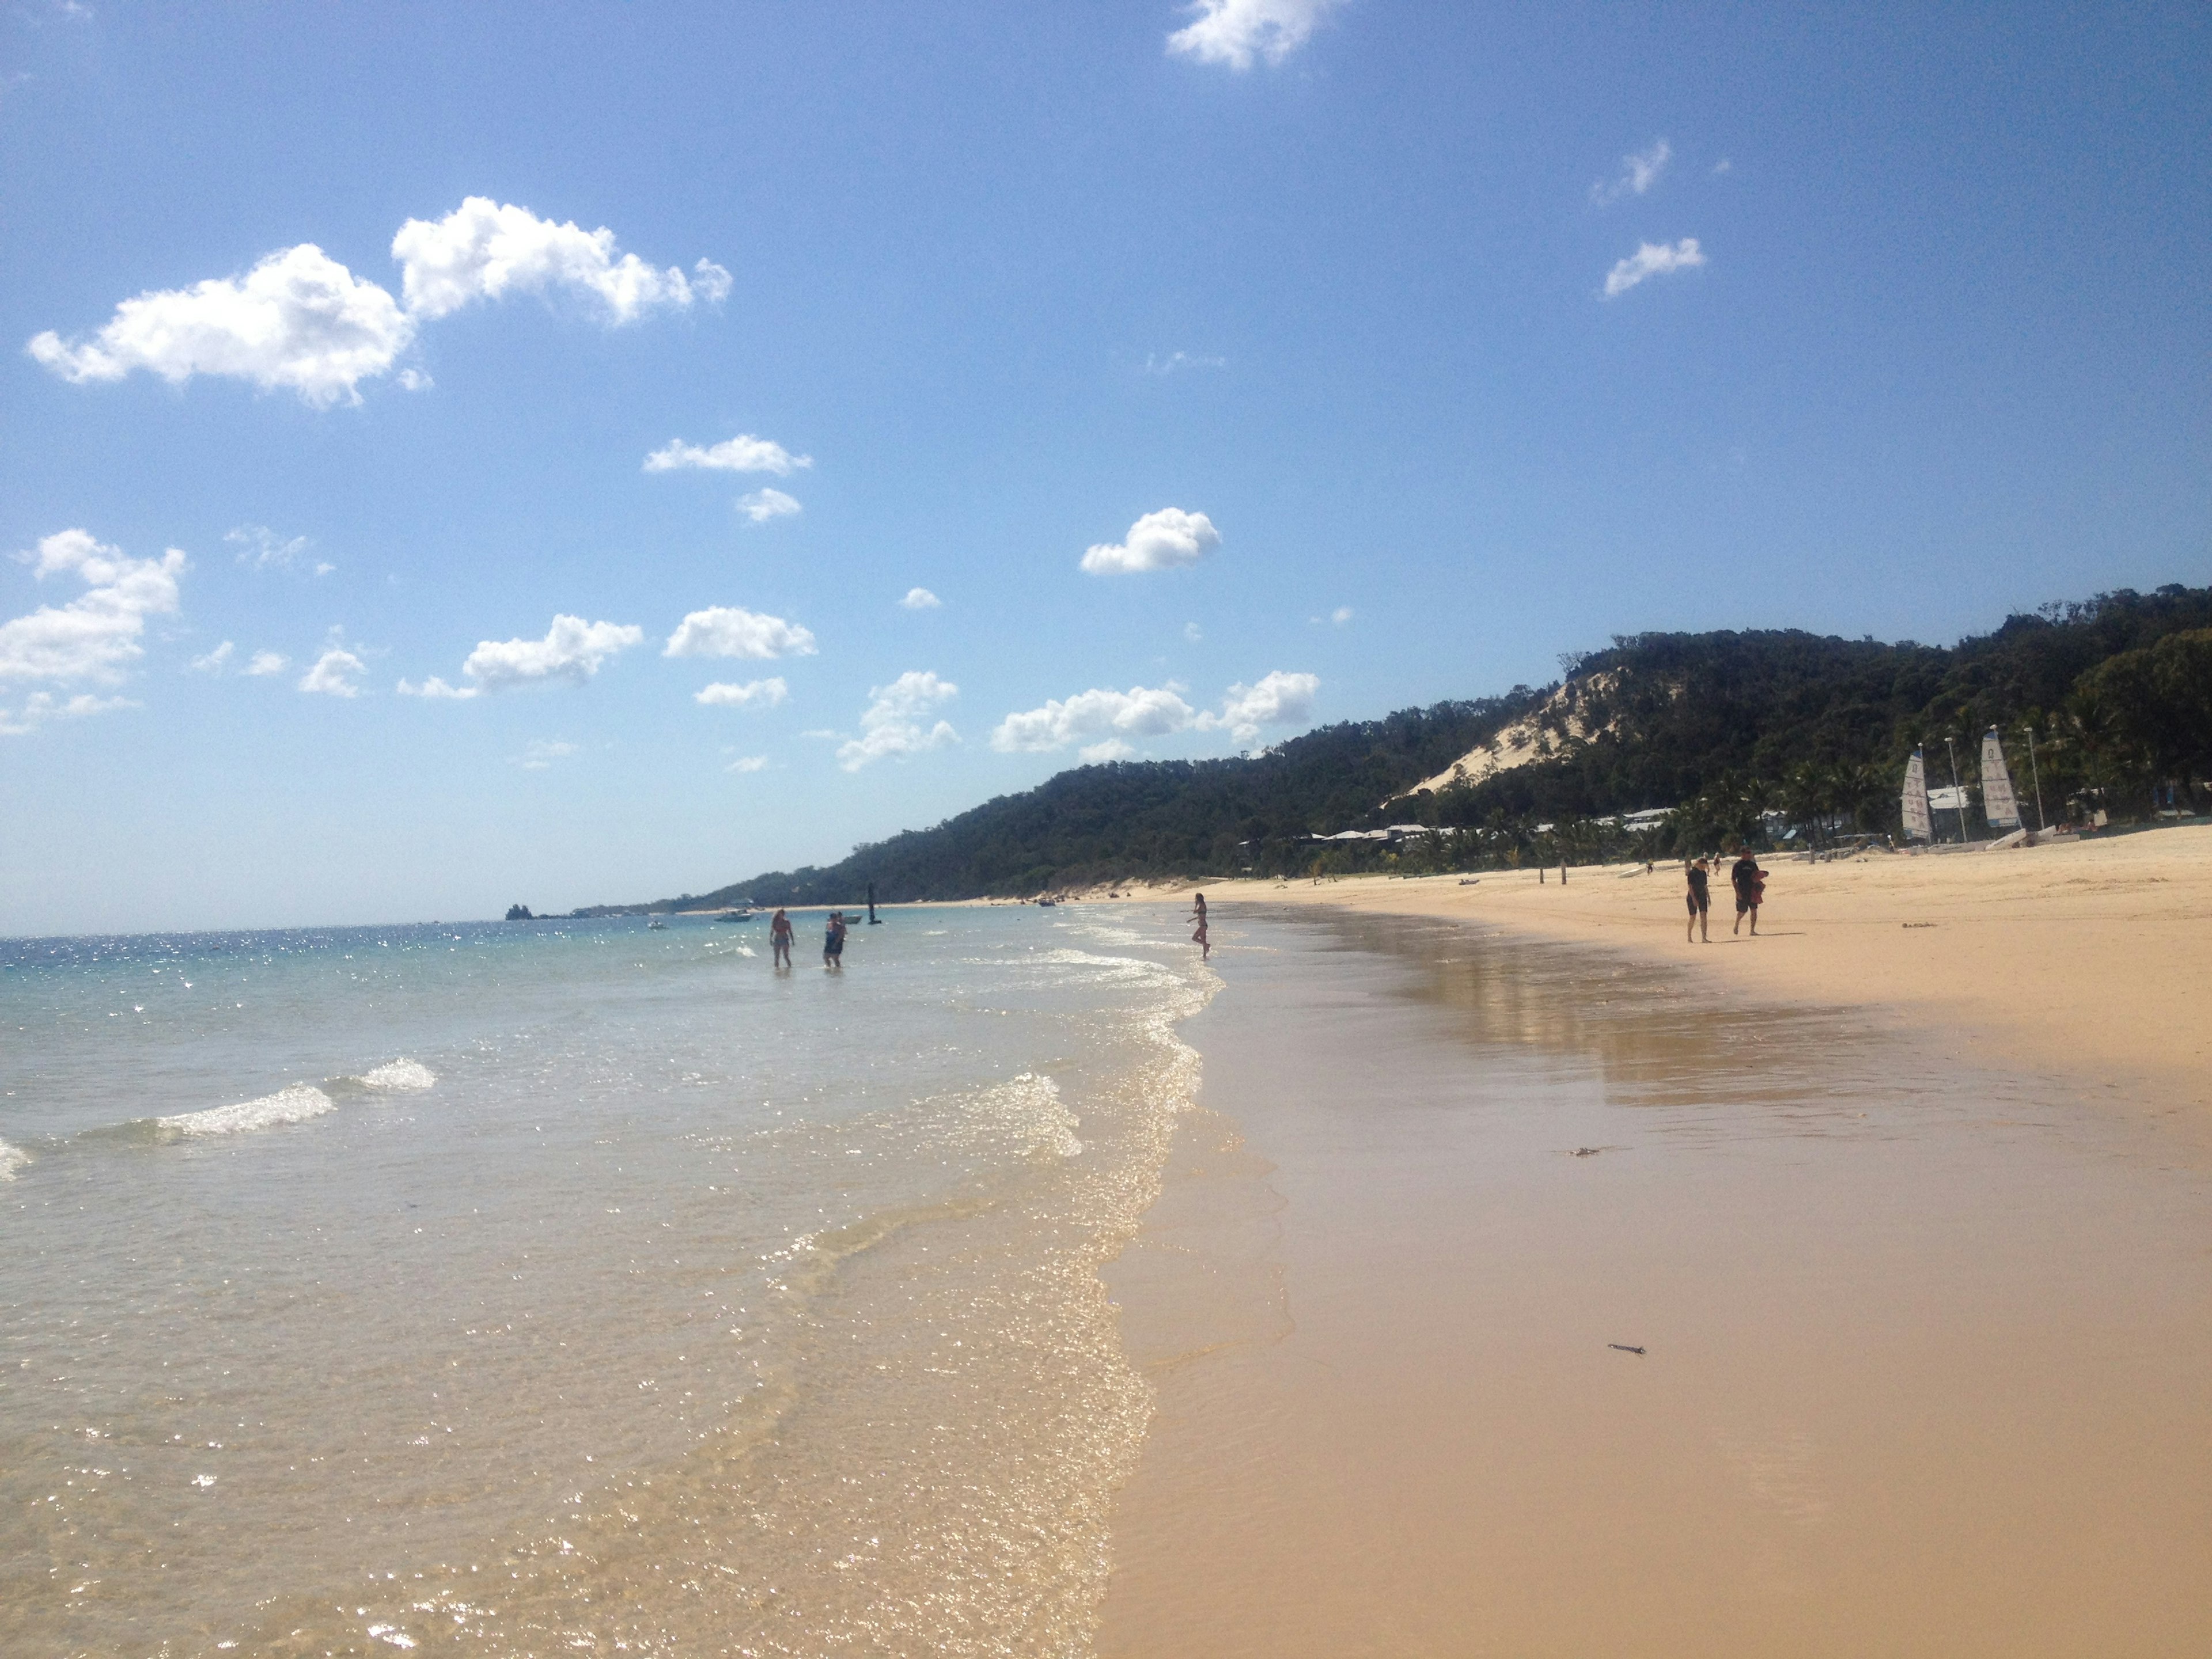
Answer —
(573, 1288)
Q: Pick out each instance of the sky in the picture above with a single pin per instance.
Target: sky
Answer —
(456, 456)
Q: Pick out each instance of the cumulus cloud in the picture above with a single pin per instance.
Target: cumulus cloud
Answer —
(1279, 699)
(1637, 174)
(572, 650)
(95, 635)
(301, 321)
(268, 662)
(541, 752)
(215, 660)
(1098, 754)
(1159, 541)
(1652, 260)
(1140, 712)
(1236, 32)
(730, 631)
(742, 453)
(298, 320)
(753, 694)
(765, 504)
(919, 598)
(897, 719)
(483, 249)
(260, 547)
(336, 674)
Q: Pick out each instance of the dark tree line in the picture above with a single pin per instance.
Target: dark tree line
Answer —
(1725, 728)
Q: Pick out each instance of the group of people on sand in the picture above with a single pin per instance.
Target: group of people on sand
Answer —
(1745, 876)
(833, 941)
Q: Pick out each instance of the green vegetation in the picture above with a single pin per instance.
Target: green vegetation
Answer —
(1735, 731)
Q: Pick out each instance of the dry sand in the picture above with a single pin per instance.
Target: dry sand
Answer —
(1911, 1225)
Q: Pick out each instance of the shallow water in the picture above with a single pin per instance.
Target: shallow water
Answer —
(574, 1287)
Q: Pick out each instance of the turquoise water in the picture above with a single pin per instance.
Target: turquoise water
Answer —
(574, 1287)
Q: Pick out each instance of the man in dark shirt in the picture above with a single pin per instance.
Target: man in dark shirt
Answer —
(1750, 884)
(1701, 899)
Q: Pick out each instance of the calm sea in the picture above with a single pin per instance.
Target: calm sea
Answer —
(573, 1288)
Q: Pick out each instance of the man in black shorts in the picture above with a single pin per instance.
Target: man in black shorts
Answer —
(1701, 899)
(1750, 884)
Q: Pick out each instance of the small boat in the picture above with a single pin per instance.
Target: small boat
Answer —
(657, 925)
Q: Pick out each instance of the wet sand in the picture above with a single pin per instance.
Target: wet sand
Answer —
(1928, 1346)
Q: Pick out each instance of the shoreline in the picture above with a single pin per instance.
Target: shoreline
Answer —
(2091, 960)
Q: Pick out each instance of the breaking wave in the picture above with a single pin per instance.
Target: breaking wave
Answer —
(293, 1105)
(400, 1074)
(12, 1158)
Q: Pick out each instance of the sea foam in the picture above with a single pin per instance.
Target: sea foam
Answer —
(293, 1105)
(12, 1158)
(400, 1074)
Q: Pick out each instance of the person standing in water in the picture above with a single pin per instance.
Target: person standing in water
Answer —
(1198, 914)
(1750, 884)
(778, 939)
(1701, 899)
(833, 943)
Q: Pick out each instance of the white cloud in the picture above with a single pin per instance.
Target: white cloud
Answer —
(1637, 174)
(267, 662)
(260, 547)
(1158, 541)
(299, 320)
(1175, 360)
(753, 694)
(765, 504)
(894, 722)
(1723, 166)
(1140, 712)
(334, 674)
(1341, 615)
(572, 650)
(96, 633)
(742, 453)
(1652, 260)
(1098, 754)
(541, 752)
(744, 763)
(215, 660)
(1279, 699)
(729, 631)
(483, 249)
(1192, 632)
(919, 598)
(1235, 31)
(41, 706)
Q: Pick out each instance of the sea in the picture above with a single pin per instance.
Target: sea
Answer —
(576, 1287)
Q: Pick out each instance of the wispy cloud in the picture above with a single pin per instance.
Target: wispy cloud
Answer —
(897, 721)
(745, 764)
(268, 662)
(260, 547)
(1637, 174)
(1159, 541)
(742, 453)
(541, 752)
(765, 504)
(1176, 361)
(572, 650)
(732, 631)
(1237, 32)
(215, 660)
(1652, 260)
(753, 694)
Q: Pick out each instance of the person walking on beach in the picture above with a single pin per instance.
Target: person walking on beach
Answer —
(1198, 914)
(833, 943)
(1700, 899)
(779, 940)
(1750, 884)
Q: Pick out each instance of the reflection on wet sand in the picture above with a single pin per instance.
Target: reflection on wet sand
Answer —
(1925, 1352)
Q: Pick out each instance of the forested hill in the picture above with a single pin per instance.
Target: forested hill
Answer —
(1724, 726)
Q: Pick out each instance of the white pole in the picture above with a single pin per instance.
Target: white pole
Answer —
(2037, 777)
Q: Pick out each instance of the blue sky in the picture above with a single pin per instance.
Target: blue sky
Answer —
(1296, 313)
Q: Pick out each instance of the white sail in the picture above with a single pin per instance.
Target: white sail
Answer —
(1999, 804)
(1917, 823)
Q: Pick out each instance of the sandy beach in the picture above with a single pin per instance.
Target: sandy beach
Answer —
(1907, 1225)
